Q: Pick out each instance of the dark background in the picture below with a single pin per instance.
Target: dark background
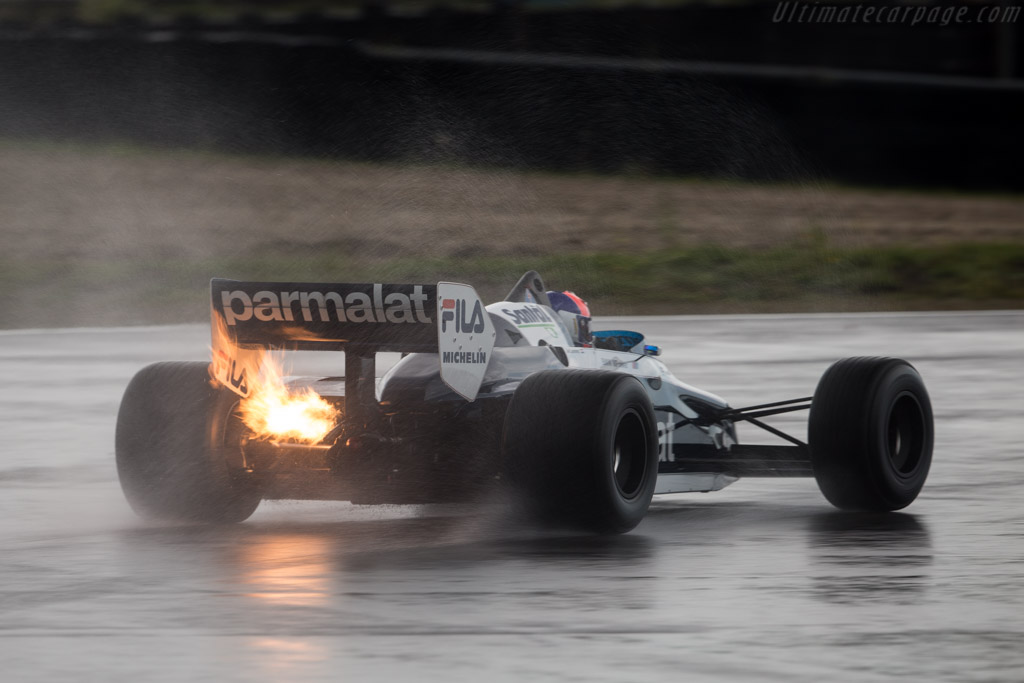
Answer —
(695, 89)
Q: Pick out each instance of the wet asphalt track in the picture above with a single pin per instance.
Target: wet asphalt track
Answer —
(761, 581)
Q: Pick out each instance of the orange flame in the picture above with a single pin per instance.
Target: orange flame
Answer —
(271, 410)
(279, 413)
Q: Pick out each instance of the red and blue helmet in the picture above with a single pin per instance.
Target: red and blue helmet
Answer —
(575, 313)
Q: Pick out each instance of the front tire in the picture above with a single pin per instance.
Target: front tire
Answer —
(174, 440)
(871, 434)
(582, 446)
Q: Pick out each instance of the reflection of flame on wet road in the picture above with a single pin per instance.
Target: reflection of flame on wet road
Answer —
(861, 557)
(288, 570)
(286, 653)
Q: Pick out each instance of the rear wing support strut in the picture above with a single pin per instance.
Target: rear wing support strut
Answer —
(360, 385)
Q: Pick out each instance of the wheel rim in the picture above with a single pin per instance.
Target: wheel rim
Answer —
(905, 434)
(629, 461)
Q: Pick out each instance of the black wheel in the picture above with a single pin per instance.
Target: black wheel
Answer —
(178, 448)
(870, 434)
(582, 446)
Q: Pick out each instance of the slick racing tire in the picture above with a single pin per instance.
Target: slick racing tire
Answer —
(582, 446)
(173, 446)
(870, 434)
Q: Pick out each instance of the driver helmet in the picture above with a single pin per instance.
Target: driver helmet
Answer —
(575, 314)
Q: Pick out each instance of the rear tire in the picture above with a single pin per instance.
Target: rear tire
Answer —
(871, 434)
(173, 443)
(582, 446)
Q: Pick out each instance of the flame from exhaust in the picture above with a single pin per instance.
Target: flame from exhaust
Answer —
(276, 412)
(272, 411)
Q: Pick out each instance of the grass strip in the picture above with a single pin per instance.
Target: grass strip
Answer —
(804, 276)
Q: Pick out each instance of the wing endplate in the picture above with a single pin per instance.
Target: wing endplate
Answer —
(465, 338)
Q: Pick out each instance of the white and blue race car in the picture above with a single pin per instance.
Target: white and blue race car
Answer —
(488, 396)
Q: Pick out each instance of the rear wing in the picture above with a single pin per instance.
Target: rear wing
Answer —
(249, 318)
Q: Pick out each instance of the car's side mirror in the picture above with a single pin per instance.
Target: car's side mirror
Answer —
(652, 350)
